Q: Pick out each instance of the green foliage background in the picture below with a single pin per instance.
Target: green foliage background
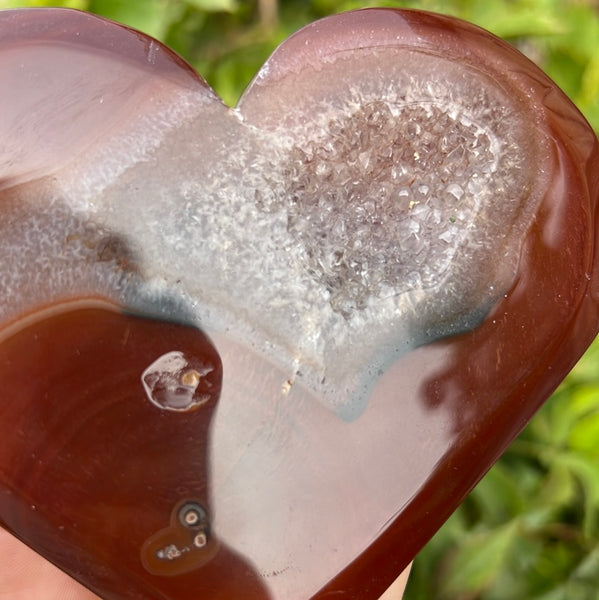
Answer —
(530, 529)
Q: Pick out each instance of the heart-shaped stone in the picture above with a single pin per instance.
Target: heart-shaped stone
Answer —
(391, 242)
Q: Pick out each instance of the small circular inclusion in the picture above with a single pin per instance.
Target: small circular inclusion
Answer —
(192, 514)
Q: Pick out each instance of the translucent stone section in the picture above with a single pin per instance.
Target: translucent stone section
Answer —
(376, 203)
(61, 256)
(405, 183)
(392, 217)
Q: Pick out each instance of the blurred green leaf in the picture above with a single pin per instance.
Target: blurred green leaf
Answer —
(78, 4)
(587, 369)
(233, 73)
(557, 489)
(500, 497)
(587, 573)
(510, 24)
(479, 560)
(581, 584)
(584, 435)
(213, 5)
(588, 98)
(153, 17)
(586, 470)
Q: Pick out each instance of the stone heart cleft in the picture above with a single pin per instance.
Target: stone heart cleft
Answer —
(264, 352)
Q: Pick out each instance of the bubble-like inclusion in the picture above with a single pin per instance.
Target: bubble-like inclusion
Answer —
(177, 382)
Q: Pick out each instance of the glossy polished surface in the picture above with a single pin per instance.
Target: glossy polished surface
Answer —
(356, 289)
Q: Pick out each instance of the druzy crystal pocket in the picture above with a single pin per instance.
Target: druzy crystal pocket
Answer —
(308, 324)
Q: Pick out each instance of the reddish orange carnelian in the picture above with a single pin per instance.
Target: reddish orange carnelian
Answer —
(357, 287)
(95, 475)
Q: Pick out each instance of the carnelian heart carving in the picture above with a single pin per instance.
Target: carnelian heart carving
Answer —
(390, 242)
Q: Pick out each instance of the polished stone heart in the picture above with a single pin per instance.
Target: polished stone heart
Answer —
(264, 352)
